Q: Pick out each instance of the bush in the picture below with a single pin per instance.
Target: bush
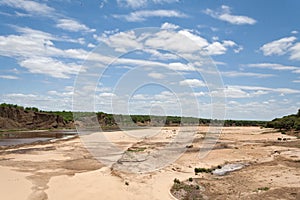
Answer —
(202, 170)
(176, 181)
(190, 179)
(263, 188)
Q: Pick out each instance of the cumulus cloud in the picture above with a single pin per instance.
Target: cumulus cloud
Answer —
(167, 25)
(50, 66)
(225, 15)
(192, 83)
(278, 47)
(172, 40)
(32, 7)
(73, 25)
(295, 52)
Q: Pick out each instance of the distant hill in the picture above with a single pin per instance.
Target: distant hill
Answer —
(286, 123)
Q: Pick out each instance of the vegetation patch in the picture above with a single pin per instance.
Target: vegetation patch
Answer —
(263, 188)
(186, 189)
(202, 170)
(136, 149)
(286, 123)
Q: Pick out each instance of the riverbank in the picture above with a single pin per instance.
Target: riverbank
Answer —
(66, 170)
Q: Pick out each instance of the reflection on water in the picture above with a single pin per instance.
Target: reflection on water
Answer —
(23, 137)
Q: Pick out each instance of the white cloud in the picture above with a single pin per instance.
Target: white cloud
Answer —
(167, 25)
(122, 41)
(164, 1)
(9, 77)
(156, 75)
(27, 46)
(216, 48)
(245, 74)
(225, 15)
(19, 14)
(168, 39)
(34, 46)
(251, 109)
(239, 91)
(200, 41)
(232, 92)
(21, 95)
(141, 3)
(295, 52)
(177, 66)
(32, 7)
(142, 15)
(192, 83)
(180, 41)
(46, 37)
(90, 45)
(61, 94)
(73, 25)
(229, 43)
(140, 97)
(132, 3)
(102, 3)
(49, 66)
(215, 38)
(277, 90)
(157, 55)
(278, 47)
(238, 49)
(44, 102)
(294, 32)
(106, 94)
(274, 66)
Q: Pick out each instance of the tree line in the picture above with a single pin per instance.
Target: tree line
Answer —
(286, 123)
(114, 119)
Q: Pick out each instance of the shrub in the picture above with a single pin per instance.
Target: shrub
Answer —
(263, 188)
(176, 181)
(190, 179)
(202, 170)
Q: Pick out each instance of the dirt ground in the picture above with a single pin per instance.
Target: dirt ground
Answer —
(67, 170)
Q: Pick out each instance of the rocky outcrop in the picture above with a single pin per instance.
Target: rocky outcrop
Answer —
(17, 118)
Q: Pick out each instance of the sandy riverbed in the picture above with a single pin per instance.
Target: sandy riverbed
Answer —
(66, 169)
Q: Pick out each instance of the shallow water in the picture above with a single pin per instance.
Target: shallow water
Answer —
(228, 168)
(27, 137)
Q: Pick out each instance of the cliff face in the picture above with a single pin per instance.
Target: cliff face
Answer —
(16, 118)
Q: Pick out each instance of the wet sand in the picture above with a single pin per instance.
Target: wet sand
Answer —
(66, 170)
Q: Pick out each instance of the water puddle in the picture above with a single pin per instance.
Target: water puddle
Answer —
(27, 137)
(228, 168)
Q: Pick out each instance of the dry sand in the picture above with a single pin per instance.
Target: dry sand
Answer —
(66, 170)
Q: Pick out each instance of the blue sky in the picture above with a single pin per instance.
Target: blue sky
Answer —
(254, 45)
